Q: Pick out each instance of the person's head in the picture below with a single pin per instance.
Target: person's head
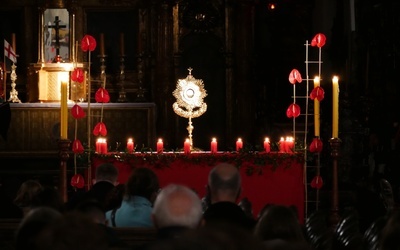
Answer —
(106, 172)
(27, 193)
(94, 210)
(75, 230)
(142, 182)
(177, 205)
(390, 233)
(278, 222)
(35, 228)
(224, 183)
(49, 197)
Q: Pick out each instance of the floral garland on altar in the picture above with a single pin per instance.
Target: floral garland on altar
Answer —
(253, 162)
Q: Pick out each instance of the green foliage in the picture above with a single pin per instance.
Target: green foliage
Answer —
(253, 162)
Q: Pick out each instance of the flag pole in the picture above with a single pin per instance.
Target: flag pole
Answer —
(4, 77)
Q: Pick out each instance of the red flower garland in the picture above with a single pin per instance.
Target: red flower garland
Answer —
(88, 43)
(100, 129)
(77, 181)
(318, 93)
(318, 40)
(316, 145)
(295, 76)
(77, 75)
(102, 95)
(77, 112)
(293, 111)
(317, 182)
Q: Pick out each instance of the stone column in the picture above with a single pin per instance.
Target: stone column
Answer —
(244, 78)
(229, 31)
(41, 36)
(164, 80)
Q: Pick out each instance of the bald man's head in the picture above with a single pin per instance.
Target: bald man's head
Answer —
(224, 183)
(177, 205)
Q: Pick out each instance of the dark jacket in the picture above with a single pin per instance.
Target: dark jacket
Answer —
(227, 213)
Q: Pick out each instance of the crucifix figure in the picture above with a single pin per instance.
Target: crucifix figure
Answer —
(57, 28)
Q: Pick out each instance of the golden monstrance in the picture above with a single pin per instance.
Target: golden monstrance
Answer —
(189, 94)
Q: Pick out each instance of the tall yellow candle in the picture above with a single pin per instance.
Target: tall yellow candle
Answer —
(122, 44)
(335, 107)
(14, 42)
(316, 110)
(102, 44)
(64, 110)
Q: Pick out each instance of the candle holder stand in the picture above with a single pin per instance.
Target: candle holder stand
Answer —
(13, 92)
(64, 146)
(103, 75)
(140, 92)
(190, 130)
(122, 93)
(318, 173)
(334, 215)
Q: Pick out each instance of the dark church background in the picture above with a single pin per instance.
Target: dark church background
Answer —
(243, 51)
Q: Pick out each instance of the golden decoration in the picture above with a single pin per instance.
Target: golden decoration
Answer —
(189, 94)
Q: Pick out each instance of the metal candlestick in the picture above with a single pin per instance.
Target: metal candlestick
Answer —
(140, 92)
(122, 93)
(64, 146)
(13, 92)
(190, 130)
(334, 216)
(103, 75)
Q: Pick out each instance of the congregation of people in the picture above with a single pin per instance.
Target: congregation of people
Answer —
(180, 218)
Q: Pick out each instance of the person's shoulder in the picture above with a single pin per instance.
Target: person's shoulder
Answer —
(102, 185)
(286, 245)
(227, 212)
(223, 207)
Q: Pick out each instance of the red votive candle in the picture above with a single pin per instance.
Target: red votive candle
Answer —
(160, 146)
(239, 144)
(98, 148)
(186, 146)
(214, 145)
(130, 145)
(290, 145)
(267, 145)
(104, 146)
(282, 145)
(287, 144)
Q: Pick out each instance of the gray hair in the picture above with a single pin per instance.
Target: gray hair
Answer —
(177, 205)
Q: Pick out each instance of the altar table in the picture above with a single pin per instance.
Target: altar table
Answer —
(267, 178)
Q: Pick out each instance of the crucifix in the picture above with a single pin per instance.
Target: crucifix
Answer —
(57, 28)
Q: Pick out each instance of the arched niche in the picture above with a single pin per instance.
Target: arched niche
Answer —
(57, 35)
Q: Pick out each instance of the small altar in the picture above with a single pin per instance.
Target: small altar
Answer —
(45, 82)
(35, 127)
(267, 178)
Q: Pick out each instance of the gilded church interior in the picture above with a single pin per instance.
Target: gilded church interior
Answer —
(242, 50)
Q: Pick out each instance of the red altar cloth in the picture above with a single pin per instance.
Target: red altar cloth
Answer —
(275, 178)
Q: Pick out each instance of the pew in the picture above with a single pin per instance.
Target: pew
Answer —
(8, 227)
(133, 237)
